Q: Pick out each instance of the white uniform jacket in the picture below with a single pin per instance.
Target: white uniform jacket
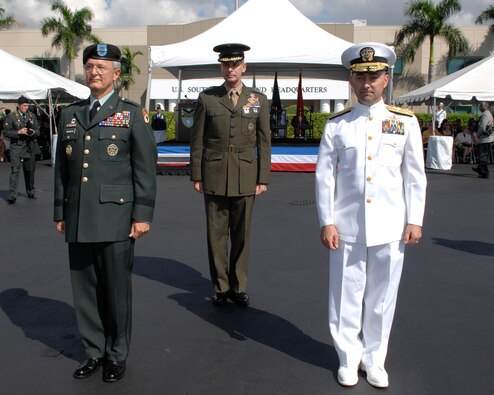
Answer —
(370, 177)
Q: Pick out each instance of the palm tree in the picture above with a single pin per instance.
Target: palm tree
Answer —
(428, 20)
(129, 67)
(487, 14)
(8, 21)
(70, 30)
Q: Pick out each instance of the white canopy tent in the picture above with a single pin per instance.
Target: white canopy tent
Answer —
(21, 78)
(472, 83)
(281, 39)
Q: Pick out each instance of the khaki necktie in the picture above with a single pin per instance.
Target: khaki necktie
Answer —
(234, 97)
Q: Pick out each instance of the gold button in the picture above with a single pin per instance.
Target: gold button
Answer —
(369, 157)
(369, 178)
(371, 117)
(86, 152)
(113, 137)
(84, 179)
(85, 165)
(121, 200)
(370, 137)
(369, 200)
(88, 138)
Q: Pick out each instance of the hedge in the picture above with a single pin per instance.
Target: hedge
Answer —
(318, 120)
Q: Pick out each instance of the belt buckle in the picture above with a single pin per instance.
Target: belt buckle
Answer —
(231, 149)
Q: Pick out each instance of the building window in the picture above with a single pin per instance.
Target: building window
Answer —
(52, 64)
(398, 69)
(461, 62)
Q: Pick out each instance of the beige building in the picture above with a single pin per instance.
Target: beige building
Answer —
(30, 45)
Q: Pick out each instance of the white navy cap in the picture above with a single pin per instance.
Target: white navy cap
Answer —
(368, 57)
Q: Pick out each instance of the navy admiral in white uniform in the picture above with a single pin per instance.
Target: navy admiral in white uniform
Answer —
(370, 191)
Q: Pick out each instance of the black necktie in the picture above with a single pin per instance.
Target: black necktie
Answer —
(94, 110)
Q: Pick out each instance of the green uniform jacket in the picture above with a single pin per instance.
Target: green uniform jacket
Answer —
(230, 150)
(22, 146)
(105, 170)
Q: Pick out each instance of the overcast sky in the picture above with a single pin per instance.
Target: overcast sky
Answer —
(140, 13)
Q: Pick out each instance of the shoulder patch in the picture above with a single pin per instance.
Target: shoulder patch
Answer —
(145, 115)
(401, 111)
(336, 115)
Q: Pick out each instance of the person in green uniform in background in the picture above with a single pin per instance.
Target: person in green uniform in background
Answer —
(230, 161)
(22, 130)
(105, 188)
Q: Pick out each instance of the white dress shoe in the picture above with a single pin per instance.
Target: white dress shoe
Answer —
(376, 376)
(347, 376)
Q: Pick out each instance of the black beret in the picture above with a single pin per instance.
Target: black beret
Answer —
(101, 51)
(231, 52)
(22, 100)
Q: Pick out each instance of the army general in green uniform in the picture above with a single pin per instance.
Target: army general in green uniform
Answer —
(230, 155)
(105, 187)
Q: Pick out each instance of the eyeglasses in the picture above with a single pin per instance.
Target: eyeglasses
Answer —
(100, 69)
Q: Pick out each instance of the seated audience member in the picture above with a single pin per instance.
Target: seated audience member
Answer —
(472, 124)
(456, 126)
(446, 129)
(429, 132)
(463, 142)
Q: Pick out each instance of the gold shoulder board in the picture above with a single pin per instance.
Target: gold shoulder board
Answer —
(401, 111)
(336, 115)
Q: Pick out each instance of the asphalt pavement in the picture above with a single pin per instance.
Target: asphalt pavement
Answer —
(441, 342)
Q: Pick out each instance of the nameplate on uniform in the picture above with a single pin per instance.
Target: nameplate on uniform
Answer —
(71, 125)
(119, 120)
(393, 126)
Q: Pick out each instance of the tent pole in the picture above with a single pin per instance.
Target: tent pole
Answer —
(50, 114)
(433, 115)
(150, 76)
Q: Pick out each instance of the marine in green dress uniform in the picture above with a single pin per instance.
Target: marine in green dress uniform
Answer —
(230, 163)
(105, 187)
(22, 129)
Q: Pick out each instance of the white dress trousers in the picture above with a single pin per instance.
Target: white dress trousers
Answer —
(363, 286)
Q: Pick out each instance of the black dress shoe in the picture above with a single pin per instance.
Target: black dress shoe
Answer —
(476, 169)
(11, 201)
(88, 367)
(31, 196)
(219, 299)
(240, 298)
(113, 371)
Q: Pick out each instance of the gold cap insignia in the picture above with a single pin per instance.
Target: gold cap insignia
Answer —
(112, 150)
(367, 54)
